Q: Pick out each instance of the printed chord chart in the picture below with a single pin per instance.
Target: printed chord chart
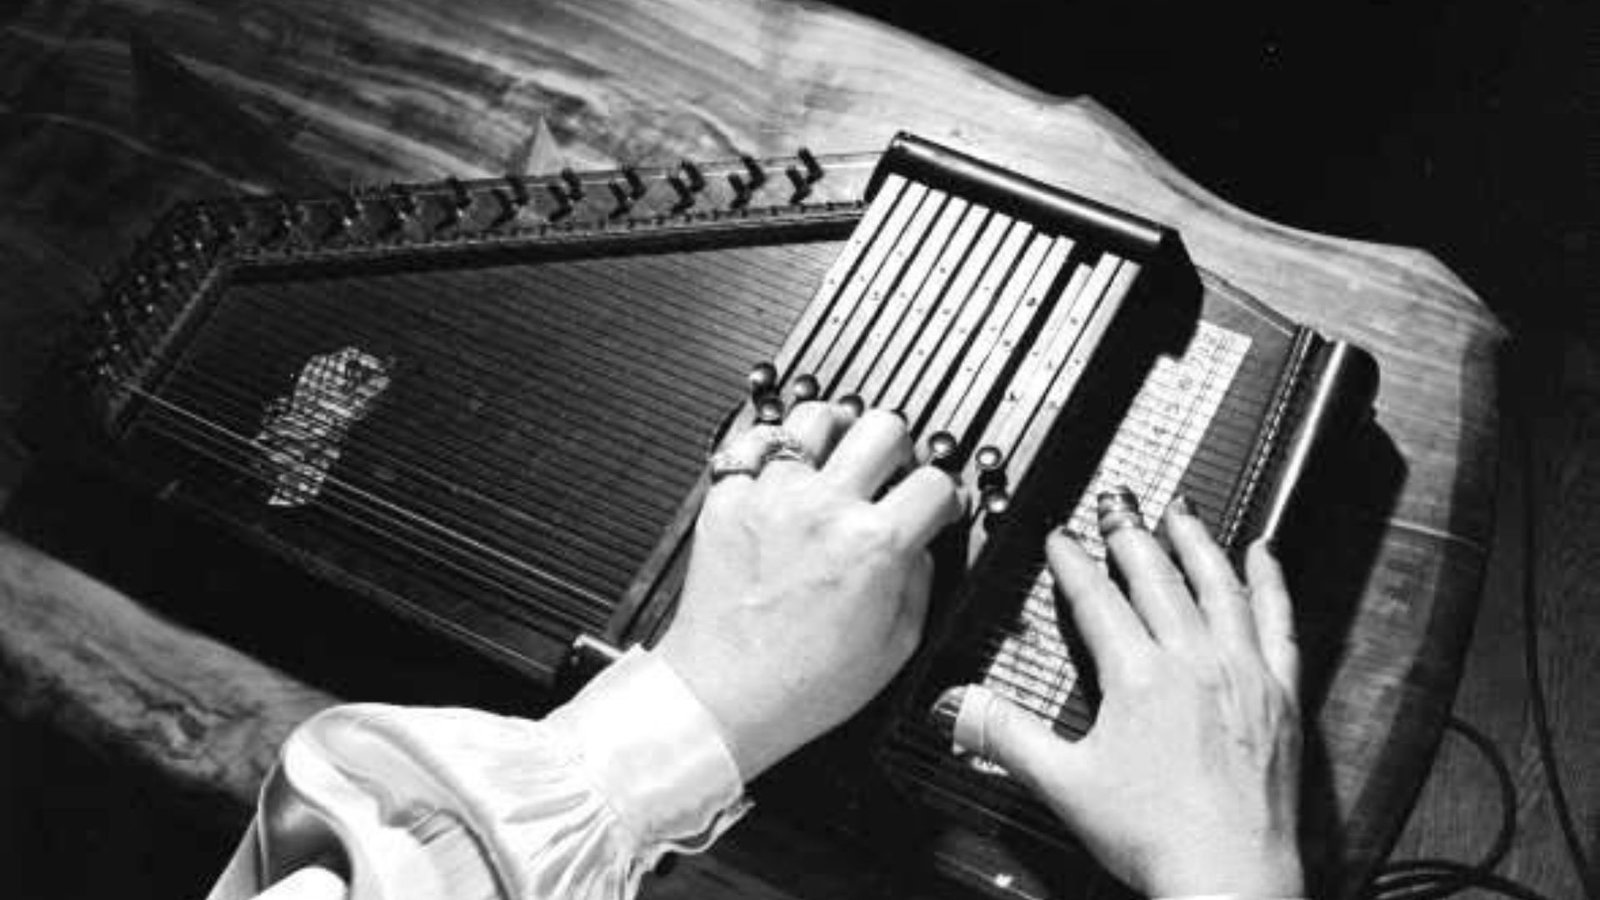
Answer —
(1149, 454)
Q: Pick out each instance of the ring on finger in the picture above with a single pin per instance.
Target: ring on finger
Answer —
(782, 445)
(1118, 509)
(726, 464)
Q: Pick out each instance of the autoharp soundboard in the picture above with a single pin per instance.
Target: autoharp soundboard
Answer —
(487, 404)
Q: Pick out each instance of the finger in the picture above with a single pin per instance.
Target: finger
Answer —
(1274, 615)
(870, 453)
(914, 602)
(922, 504)
(1224, 603)
(817, 427)
(1155, 586)
(1110, 628)
(741, 457)
(981, 722)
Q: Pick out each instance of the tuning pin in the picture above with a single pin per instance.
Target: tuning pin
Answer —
(685, 195)
(619, 193)
(942, 447)
(805, 388)
(519, 191)
(405, 209)
(802, 187)
(574, 184)
(563, 202)
(741, 191)
(351, 212)
(459, 195)
(693, 176)
(813, 169)
(757, 175)
(512, 199)
(636, 185)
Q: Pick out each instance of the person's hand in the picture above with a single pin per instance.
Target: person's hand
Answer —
(804, 593)
(1188, 781)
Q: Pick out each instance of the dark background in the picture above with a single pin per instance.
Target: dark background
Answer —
(1467, 129)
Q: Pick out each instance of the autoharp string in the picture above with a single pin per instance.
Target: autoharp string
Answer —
(212, 392)
(462, 522)
(654, 437)
(385, 436)
(359, 507)
(290, 351)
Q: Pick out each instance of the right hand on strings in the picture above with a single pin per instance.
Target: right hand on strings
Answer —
(1188, 781)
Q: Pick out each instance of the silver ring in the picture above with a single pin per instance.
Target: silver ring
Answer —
(723, 464)
(783, 444)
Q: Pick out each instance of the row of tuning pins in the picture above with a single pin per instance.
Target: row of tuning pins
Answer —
(942, 449)
(384, 214)
(131, 301)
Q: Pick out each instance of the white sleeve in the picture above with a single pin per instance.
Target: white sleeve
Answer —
(428, 804)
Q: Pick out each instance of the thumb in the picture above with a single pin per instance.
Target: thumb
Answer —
(992, 727)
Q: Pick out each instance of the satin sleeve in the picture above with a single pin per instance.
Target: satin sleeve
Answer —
(427, 804)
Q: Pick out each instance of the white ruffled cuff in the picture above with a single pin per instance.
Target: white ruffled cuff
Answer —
(655, 752)
(456, 802)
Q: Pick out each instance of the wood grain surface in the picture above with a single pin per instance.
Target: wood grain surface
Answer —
(405, 89)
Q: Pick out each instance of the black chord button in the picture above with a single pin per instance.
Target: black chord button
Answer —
(805, 388)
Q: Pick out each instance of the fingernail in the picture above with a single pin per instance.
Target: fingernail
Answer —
(1180, 506)
(1118, 509)
(946, 710)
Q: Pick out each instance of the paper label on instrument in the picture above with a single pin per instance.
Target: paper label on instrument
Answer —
(301, 434)
(1149, 454)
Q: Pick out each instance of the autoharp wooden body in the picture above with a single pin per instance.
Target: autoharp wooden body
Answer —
(487, 404)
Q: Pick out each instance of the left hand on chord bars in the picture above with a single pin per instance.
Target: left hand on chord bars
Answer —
(804, 593)
(1188, 781)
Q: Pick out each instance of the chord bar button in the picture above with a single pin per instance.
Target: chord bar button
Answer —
(942, 447)
(805, 388)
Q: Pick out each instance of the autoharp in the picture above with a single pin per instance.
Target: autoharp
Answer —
(487, 404)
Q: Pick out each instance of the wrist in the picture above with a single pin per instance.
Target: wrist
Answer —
(711, 676)
(1256, 876)
(656, 753)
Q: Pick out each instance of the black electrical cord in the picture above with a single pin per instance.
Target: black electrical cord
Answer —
(1434, 879)
(1426, 879)
(1530, 653)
